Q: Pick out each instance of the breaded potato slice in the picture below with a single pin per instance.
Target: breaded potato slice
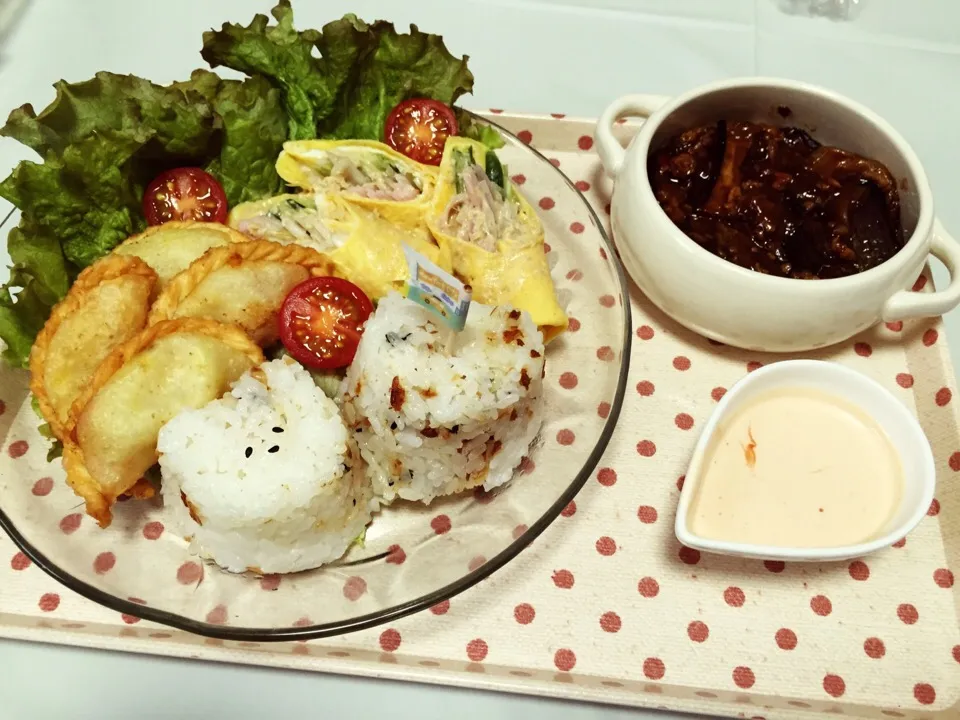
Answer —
(170, 248)
(166, 368)
(107, 305)
(242, 283)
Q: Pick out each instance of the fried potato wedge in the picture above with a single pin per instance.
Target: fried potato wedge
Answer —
(170, 248)
(243, 283)
(107, 305)
(166, 368)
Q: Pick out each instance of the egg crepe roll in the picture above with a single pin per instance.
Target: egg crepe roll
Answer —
(367, 248)
(495, 239)
(366, 173)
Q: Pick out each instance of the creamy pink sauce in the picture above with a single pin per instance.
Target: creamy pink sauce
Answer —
(797, 468)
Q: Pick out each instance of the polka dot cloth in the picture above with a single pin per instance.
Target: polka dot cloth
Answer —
(606, 605)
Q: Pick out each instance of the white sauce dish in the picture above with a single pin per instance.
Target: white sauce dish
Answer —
(806, 460)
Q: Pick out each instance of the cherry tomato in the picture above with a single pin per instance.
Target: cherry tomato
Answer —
(184, 194)
(321, 322)
(419, 127)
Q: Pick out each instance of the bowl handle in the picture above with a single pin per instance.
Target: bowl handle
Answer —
(608, 146)
(906, 304)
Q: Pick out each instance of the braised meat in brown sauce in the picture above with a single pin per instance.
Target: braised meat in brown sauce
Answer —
(776, 201)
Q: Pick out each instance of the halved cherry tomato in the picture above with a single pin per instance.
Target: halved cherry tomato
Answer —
(419, 128)
(184, 194)
(321, 322)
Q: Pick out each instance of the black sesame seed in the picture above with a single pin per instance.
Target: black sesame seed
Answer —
(393, 426)
(248, 452)
(274, 449)
(354, 502)
(278, 429)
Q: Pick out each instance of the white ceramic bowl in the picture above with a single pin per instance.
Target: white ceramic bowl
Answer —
(747, 309)
(901, 427)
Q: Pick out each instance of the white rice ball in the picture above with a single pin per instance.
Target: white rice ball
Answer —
(267, 478)
(431, 420)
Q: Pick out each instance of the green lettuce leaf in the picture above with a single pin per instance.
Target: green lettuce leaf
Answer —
(254, 130)
(285, 57)
(361, 73)
(478, 131)
(100, 142)
(56, 447)
(386, 67)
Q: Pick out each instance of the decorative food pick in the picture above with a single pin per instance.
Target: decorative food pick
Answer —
(436, 289)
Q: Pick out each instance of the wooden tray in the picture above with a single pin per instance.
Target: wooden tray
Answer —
(607, 606)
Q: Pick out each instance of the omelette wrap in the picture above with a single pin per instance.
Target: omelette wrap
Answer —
(367, 248)
(494, 237)
(368, 174)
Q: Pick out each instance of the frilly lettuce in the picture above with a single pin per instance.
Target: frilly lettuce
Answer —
(101, 141)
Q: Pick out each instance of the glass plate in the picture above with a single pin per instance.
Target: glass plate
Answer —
(413, 556)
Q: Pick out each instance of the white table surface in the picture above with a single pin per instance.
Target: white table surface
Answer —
(573, 56)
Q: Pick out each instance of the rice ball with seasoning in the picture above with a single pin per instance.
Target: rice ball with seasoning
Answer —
(267, 478)
(432, 420)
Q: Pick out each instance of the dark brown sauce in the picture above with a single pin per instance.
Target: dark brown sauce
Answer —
(776, 201)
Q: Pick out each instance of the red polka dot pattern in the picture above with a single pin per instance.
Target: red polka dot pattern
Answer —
(606, 546)
(18, 448)
(647, 514)
(42, 487)
(786, 639)
(908, 614)
(390, 640)
(610, 622)
(943, 577)
(698, 631)
(49, 602)
(743, 677)
(874, 648)
(648, 587)
(654, 668)
(354, 588)
(734, 597)
(524, 613)
(596, 577)
(565, 660)
(834, 685)
(646, 448)
(607, 477)
(858, 570)
(821, 605)
(441, 524)
(924, 693)
(153, 530)
(477, 650)
(104, 563)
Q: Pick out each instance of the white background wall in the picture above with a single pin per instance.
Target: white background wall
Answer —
(902, 57)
